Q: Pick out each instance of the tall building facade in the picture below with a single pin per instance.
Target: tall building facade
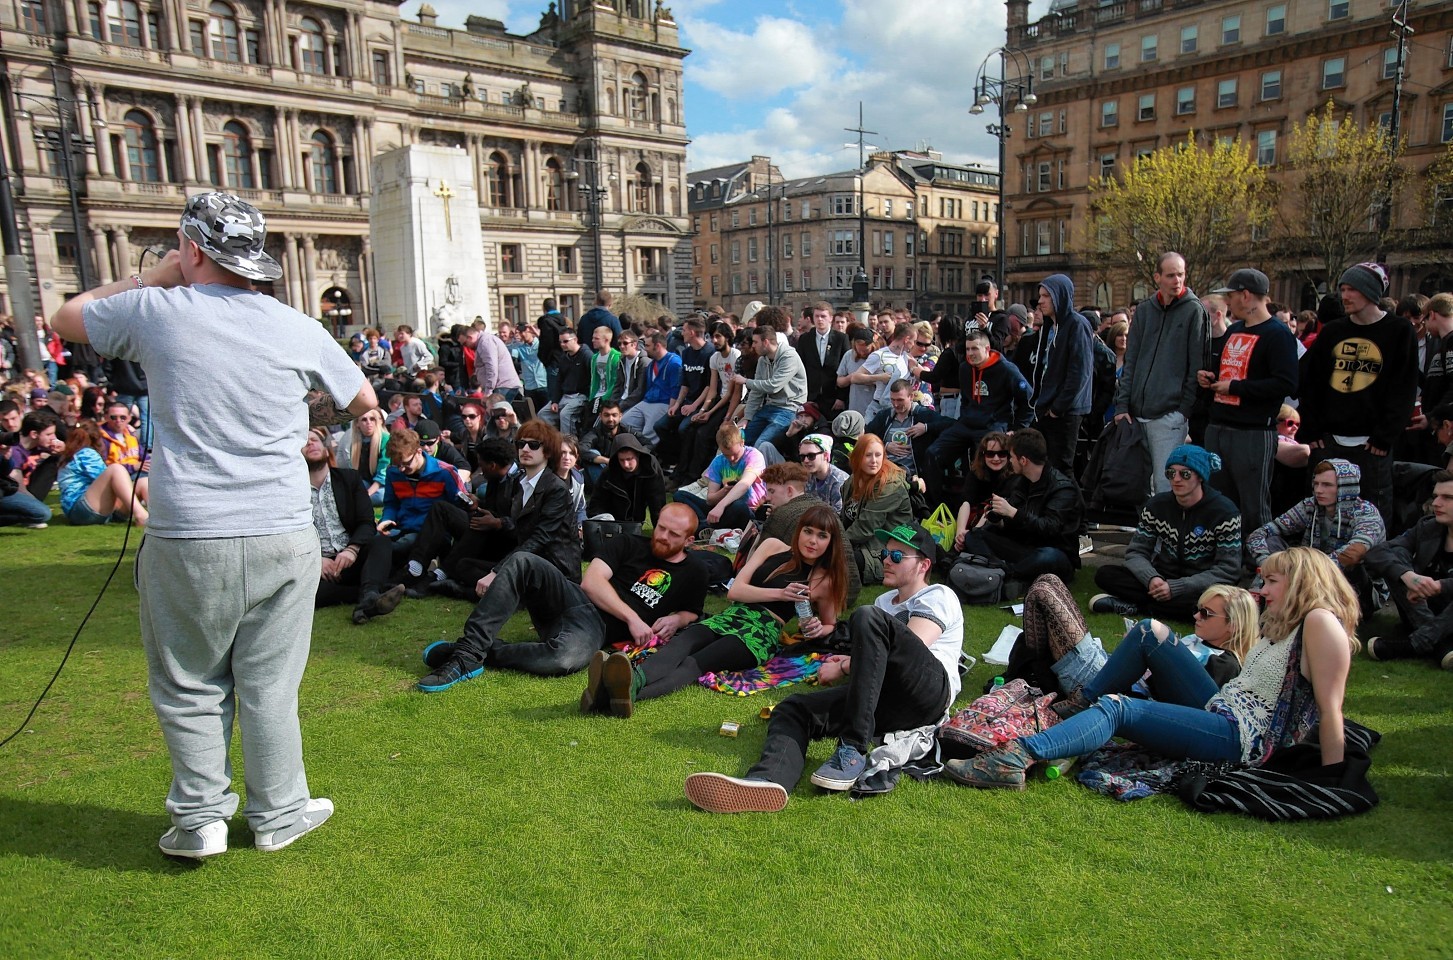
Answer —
(926, 232)
(575, 133)
(1116, 80)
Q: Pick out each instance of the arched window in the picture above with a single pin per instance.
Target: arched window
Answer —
(637, 97)
(123, 17)
(325, 164)
(141, 153)
(501, 182)
(642, 190)
(237, 152)
(554, 185)
(223, 33)
(311, 58)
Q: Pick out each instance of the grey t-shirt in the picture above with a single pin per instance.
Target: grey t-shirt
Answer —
(227, 371)
(860, 395)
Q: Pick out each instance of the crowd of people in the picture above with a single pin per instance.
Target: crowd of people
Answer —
(587, 472)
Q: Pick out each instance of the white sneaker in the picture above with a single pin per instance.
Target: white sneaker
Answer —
(318, 810)
(208, 840)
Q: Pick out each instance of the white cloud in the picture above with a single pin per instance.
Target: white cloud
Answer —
(913, 73)
(777, 55)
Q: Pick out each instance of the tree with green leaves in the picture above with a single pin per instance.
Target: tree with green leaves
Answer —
(1200, 201)
(1340, 182)
(1438, 208)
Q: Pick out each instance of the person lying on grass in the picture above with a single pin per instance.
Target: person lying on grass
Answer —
(903, 674)
(92, 492)
(765, 595)
(1293, 682)
(636, 588)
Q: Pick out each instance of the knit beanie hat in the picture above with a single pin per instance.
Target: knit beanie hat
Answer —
(1368, 279)
(1202, 462)
(850, 424)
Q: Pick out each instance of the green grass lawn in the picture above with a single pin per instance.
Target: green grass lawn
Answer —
(494, 820)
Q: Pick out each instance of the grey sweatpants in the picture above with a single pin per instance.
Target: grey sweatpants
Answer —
(226, 624)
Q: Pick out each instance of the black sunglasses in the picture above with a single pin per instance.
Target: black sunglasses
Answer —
(529, 444)
(995, 454)
(1172, 473)
(1206, 614)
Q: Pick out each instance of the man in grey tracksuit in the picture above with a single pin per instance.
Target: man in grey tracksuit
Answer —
(1168, 342)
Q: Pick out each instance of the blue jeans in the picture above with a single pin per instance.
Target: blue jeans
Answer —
(735, 517)
(769, 424)
(21, 508)
(1179, 726)
(143, 411)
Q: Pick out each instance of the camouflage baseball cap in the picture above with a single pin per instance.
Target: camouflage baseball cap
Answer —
(230, 231)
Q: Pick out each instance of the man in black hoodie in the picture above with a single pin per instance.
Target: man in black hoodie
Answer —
(632, 485)
(993, 395)
(1061, 372)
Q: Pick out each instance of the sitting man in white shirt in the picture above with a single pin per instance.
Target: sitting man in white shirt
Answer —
(903, 674)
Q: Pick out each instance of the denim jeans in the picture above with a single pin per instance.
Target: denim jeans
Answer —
(1178, 726)
(769, 424)
(20, 507)
(734, 517)
(568, 623)
(895, 684)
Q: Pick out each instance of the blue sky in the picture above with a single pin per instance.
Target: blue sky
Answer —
(783, 78)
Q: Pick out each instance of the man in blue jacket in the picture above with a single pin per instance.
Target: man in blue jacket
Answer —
(598, 316)
(1060, 371)
(414, 481)
(663, 382)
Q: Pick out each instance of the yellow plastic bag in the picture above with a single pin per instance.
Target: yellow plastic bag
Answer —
(942, 525)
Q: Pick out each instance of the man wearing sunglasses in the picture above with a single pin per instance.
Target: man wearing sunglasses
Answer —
(1186, 540)
(903, 674)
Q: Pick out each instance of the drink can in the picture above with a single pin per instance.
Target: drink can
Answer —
(729, 728)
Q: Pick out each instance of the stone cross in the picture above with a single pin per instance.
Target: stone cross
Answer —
(445, 194)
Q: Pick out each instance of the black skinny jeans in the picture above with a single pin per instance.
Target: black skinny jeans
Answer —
(690, 654)
(895, 684)
(568, 624)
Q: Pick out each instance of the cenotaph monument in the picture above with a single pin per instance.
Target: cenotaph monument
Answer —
(428, 253)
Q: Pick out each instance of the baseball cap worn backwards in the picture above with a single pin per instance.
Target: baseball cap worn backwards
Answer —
(231, 232)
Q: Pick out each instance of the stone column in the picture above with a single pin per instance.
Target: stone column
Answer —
(472, 147)
(102, 249)
(278, 33)
(199, 140)
(292, 275)
(96, 94)
(184, 140)
(310, 276)
(529, 172)
(121, 236)
(282, 148)
(365, 282)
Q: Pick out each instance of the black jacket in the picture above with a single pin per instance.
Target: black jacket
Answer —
(546, 525)
(350, 493)
(822, 388)
(1413, 549)
(1049, 513)
(919, 414)
(630, 496)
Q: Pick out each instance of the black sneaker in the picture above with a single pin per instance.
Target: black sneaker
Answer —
(455, 671)
(1391, 648)
(438, 653)
(1106, 603)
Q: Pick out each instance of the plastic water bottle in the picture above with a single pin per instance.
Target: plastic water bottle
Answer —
(998, 682)
(1056, 769)
(804, 609)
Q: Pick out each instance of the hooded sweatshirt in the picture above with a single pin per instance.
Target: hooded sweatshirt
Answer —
(994, 396)
(1346, 530)
(1064, 359)
(1168, 344)
(629, 496)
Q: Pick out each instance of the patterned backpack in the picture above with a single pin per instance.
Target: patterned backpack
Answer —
(1007, 712)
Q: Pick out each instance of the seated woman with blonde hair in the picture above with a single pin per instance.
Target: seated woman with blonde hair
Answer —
(1293, 683)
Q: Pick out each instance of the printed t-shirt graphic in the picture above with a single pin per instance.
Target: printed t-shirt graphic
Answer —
(1236, 363)
(1355, 365)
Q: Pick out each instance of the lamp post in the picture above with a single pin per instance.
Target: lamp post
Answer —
(1017, 94)
(595, 193)
(63, 141)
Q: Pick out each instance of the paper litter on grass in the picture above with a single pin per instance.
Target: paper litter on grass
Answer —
(999, 652)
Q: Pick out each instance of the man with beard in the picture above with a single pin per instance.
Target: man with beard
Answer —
(637, 588)
(355, 558)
